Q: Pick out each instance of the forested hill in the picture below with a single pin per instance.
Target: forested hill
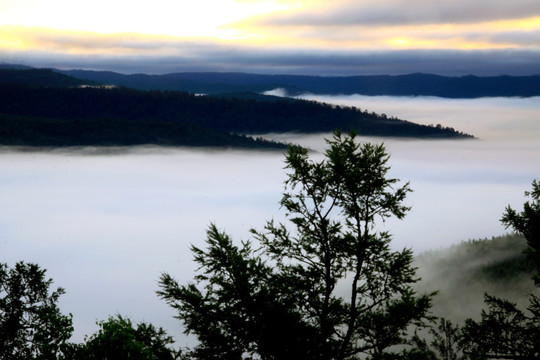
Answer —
(464, 272)
(402, 85)
(39, 78)
(120, 110)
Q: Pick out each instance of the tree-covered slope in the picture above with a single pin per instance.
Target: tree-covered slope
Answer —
(19, 130)
(38, 78)
(247, 116)
(464, 272)
(40, 107)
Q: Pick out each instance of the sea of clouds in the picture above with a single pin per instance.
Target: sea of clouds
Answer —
(106, 222)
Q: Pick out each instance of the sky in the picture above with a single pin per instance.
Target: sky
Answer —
(311, 37)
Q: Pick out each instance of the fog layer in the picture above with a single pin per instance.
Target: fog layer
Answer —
(106, 224)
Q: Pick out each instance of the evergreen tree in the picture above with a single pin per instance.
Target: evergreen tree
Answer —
(527, 223)
(326, 286)
(505, 331)
(118, 338)
(31, 325)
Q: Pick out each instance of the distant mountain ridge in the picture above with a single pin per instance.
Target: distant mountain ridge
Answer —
(399, 85)
(38, 77)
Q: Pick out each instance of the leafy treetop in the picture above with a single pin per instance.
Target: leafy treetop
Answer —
(325, 286)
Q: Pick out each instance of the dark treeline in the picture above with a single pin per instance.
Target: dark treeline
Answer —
(497, 266)
(123, 110)
(499, 258)
(19, 130)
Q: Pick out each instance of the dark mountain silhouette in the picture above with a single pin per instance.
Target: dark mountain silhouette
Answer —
(402, 85)
(39, 77)
(15, 66)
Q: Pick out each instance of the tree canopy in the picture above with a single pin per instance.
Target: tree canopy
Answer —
(120, 339)
(31, 324)
(505, 331)
(326, 285)
(527, 223)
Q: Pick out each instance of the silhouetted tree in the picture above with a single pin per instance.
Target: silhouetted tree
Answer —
(118, 338)
(31, 325)
(504, 331)
(445, 343)
(327, 286)
(527, 223)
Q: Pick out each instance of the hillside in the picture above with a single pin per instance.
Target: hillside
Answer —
(38, 78)
(18, 130)
(400, 85)
(464, 272)
(128, 110)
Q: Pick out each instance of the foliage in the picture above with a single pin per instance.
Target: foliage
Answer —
(330, 289)
(447, 340)
(446, 343)
(505, 331)
(31, 325)
(508, 270)
(242, 309)
(118, 338)
(527, 223)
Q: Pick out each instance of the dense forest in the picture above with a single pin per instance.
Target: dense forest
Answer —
(21, 130)
(219, 113)
(60, 114)
(496, 265)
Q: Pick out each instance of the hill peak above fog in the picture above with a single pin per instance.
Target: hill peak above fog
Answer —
(417, 84)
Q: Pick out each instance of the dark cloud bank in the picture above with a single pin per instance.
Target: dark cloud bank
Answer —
(324, 63)
(397, 12)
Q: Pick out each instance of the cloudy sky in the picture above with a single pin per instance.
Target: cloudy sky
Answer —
(339, 37)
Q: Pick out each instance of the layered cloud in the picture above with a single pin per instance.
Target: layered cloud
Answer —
(394, 24)
(341, 37)
(399, 12)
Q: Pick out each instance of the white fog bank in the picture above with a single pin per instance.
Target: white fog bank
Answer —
(106, 225)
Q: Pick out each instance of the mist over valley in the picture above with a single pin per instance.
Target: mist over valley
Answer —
(106, 222)
(155, 204)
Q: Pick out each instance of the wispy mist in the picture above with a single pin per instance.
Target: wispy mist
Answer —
(460, 274)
